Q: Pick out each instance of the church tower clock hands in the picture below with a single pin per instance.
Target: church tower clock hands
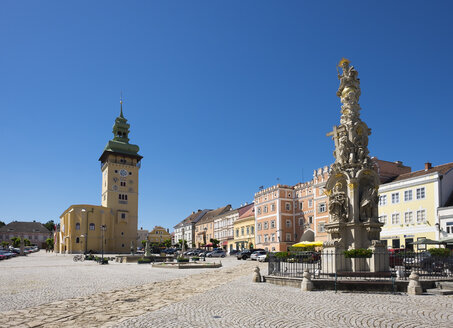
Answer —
(120, 164)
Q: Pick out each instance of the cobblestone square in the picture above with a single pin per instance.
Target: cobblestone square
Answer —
(131, 295)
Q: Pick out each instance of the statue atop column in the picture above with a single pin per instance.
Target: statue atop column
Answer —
(353, 183)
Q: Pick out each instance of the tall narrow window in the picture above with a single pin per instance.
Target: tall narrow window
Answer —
(421, 216)
(92, 226)
(421, 193)
(408, 218)
(77, 226)
(395, 198)
(407, 195)
(396, 218)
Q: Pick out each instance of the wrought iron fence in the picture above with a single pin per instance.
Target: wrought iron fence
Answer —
(386, 265)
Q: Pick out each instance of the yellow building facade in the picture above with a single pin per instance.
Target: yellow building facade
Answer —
(408, 206)
(111, 227)
(244, 229)
(159, 235)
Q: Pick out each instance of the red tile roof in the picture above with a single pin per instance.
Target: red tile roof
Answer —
(441, 169)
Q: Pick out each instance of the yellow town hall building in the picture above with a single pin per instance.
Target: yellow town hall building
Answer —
(85, 228)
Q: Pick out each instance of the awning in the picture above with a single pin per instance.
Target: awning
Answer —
(207, 245)
(447, 241)
(426, 241)
(308, 243)
(225, 243)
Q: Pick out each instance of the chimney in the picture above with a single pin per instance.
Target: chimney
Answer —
(193, 212)
(428, 166)
(199, 210)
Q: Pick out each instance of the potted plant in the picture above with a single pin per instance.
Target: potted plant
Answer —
(358, 253)
(182, 259)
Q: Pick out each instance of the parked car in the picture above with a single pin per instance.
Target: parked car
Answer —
(255, 254)
(263, 258)
(396, 256)
(216, 253)
(2, 257)
(5, 254)
(8, 254)
(244, 254)
(417, 259)
(234, 252)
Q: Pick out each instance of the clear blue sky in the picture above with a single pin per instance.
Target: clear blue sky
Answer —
(222, 96)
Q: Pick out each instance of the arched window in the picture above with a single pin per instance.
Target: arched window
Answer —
(77, 240)
(77, 226)
(92, 226)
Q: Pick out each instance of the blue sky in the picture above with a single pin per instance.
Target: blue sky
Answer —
(222, 96)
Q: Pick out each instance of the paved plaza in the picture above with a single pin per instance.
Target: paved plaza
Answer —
(45, 290)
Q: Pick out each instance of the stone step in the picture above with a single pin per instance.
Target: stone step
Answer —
(448, 285)
(439, 291)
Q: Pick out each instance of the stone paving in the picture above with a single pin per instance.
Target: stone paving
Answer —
(42, 277)
(223, 297)
(109, 307)
(245, 304)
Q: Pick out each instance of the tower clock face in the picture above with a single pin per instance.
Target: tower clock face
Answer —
(123, 173)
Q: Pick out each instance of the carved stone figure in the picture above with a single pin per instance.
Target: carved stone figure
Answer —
(338, 204)
(368, 202)
(348, 81)
(147, 249)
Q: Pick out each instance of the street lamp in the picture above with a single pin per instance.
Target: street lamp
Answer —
(103, 228)
(183, 248)
(86, 229)
(82, 236)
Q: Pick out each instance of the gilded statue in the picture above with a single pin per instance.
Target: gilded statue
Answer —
(349, 81)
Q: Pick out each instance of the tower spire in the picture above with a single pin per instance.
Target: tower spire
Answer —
(121, 104)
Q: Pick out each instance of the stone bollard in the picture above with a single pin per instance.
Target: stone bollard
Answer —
(307, 284)
(256, 275)
(414, 287)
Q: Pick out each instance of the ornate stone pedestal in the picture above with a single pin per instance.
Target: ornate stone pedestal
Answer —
(352, 188)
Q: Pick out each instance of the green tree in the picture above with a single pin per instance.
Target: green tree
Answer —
(27, 242)
(15, 242)
(49, 243)
(5, 244)
(144, 243)
(167, 243)
(50, 225)
(180, 243)
(215, 242)
(2, 224)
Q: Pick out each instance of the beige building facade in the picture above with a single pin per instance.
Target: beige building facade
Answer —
(111, 227)
(159, 235)
(286, 214)
(244, 229)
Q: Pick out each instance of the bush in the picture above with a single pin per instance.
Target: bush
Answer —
(144, 260)
(195, 258)
(358, 253)
(301, 249)
(182, 259)
(103, 261)
(89, 258)
(282, 255)
(441, 252)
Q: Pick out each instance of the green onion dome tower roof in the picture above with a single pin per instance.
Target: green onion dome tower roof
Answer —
(120, 142)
